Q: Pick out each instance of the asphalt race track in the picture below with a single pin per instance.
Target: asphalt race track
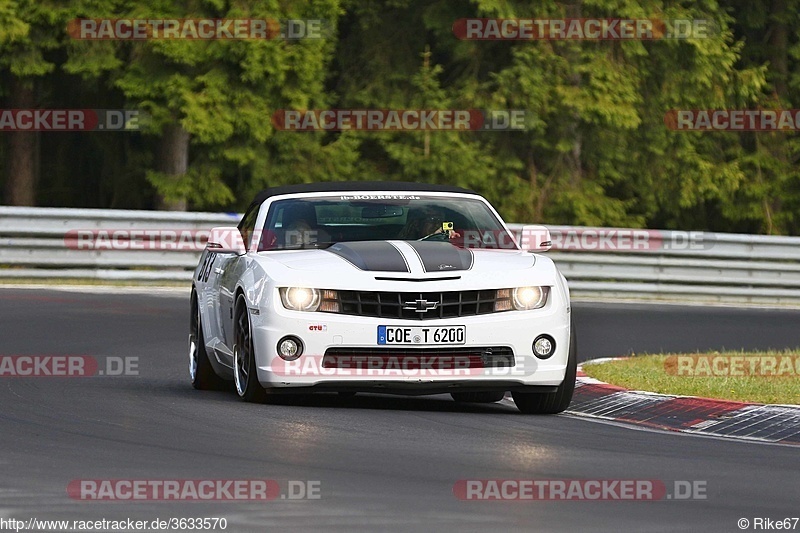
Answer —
(383, 463)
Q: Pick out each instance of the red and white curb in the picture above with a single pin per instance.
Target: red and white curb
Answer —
(685, 414)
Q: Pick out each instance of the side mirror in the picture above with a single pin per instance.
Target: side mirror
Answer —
(535, 239)
(226, 240)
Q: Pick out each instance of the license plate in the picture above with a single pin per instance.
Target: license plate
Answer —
(422, 335)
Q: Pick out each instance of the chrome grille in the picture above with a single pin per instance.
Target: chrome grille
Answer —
(417, 305)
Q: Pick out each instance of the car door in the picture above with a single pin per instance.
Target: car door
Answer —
(229, 271)
(205, 281)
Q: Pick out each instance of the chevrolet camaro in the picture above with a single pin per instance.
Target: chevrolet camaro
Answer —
(384, 287)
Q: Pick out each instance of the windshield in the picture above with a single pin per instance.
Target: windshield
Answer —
(321, 221)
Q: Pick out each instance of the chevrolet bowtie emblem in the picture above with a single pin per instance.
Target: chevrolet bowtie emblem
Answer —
(420, 306)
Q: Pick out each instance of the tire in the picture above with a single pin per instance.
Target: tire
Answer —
(478, 397)
(200, 370)
(550, 403)
(244, 363)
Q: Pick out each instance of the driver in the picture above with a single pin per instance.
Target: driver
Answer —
(426, 223)
(299, 223)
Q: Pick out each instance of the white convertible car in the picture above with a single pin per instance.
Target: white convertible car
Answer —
(384, 287)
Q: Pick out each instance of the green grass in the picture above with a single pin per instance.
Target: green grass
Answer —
(660, 373)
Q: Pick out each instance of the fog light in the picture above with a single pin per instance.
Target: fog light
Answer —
(290, 348)
(544, 346)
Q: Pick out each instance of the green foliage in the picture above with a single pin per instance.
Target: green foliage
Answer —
(28, 29)
(595, 149)
(201, 185)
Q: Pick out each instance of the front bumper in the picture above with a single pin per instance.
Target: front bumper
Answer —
(322, 331)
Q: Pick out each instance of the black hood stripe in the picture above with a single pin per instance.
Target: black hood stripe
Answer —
(379, 256)
(441, 256)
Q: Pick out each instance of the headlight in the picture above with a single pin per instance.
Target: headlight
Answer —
(521, 298)
(300, 299)
(529, 297)
(303, 299)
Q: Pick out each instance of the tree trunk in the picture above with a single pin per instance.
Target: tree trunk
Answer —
(575, 156)
(21, 167)
(173, 160)
(779, 47)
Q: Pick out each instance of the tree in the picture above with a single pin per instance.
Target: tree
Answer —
(28, 30)
(218, 95)
(769, 199)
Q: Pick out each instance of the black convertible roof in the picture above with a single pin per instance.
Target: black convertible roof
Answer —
(355, 186)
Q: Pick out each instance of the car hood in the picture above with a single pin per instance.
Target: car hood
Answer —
(402, 259)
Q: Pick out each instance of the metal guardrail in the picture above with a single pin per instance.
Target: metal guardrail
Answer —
(35, 244)
(38, 243)
(680, 266)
